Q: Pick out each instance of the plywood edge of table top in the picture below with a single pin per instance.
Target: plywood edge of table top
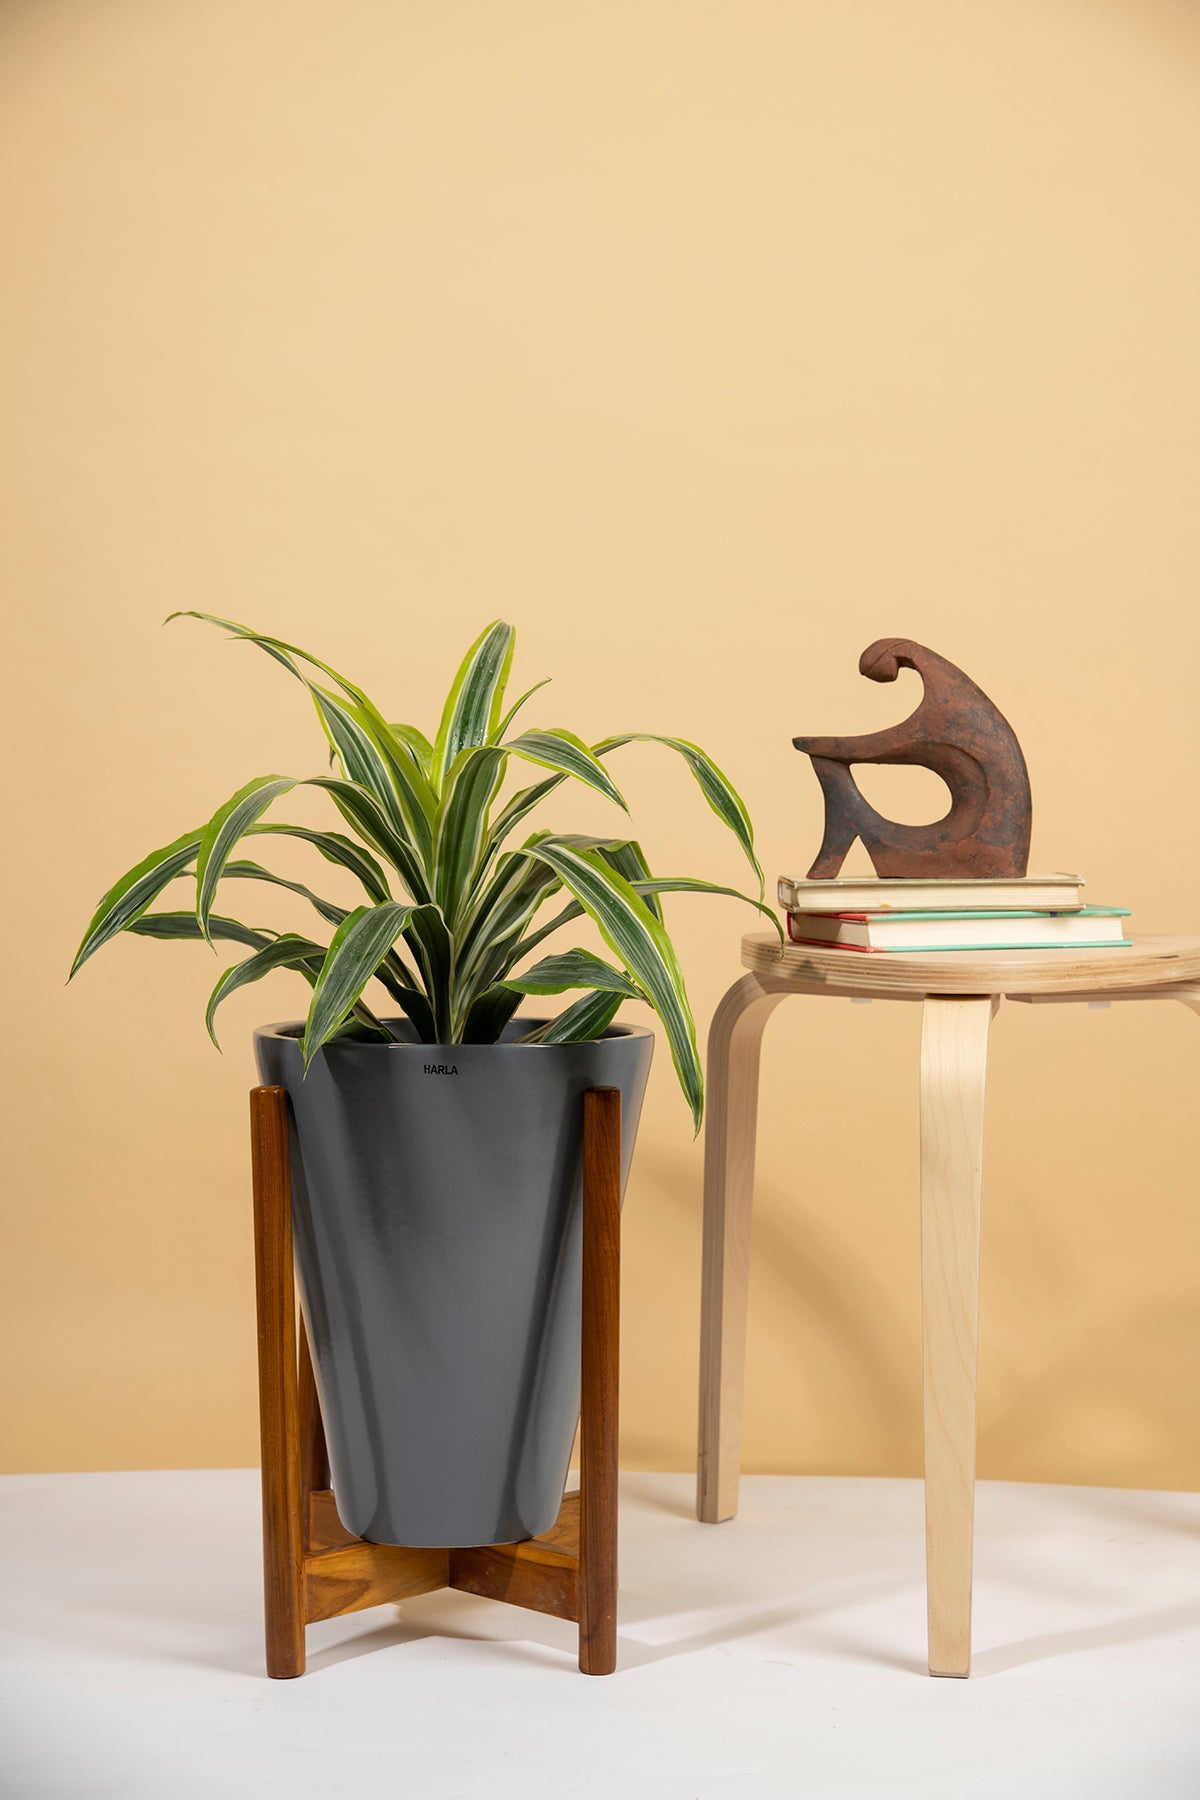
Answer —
(1148, 962)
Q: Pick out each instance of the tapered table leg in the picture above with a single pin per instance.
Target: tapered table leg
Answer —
(954, 1043)
(731, 1112)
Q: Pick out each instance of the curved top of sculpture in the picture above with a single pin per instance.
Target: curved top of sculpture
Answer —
(962, 736)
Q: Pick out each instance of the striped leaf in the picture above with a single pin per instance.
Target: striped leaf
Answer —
(460, 852)
(563, 754)
(186, 925)
(285, 653)
(359, 945)
(491, 941)
(572, 910)
(392, 780)
(408, 787)
(274, 650)
(590, 1017)
(488, 1015)
(487, 939)
(223, 831)
(418, 747)
(433, 950)
(640, 941)
(717, 789)
(287, 952)
(129, 898)
(416, 1008)
(516, 706)
(689, 884)
(573, 969)
(462, 823)
(336, 849)
(392, 972)
(243, 870)
(363, 811)
(629, 860)
(472, 710)
(562, 751)
(518, 809)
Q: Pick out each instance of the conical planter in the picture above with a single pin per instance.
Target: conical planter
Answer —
(437, 1212)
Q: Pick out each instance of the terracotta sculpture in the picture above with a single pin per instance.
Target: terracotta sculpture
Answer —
(958, 733)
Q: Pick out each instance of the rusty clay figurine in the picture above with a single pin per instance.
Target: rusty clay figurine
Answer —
(958, 733)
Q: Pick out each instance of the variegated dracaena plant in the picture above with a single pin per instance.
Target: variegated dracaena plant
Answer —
(427, 820)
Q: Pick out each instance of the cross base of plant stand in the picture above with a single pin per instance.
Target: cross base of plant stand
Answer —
(313, 1567)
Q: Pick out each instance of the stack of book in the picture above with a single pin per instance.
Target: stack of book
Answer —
(1034, 912)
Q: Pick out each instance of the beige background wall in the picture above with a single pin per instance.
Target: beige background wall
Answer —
(707, 343)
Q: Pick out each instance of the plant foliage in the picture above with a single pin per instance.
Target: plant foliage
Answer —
(454, 893)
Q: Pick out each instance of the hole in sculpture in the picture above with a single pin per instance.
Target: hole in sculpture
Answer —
(908, 794)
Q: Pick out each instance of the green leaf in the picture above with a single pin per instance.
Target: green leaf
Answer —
(516, 706)
(243, 870)
(717, 789)
(640, 940)
(129, 898)
(283, 652)
(572, 910)
(489, 1014)
(556, 749)
(472, 710)
(359, 945)
(518, 808)
(433, 948)
(392, 780)
(337, 849)
(562, 751)
(588, 1018)
(462, 824)
(690, 884)
(629, 860)
(403, 788)
(499, 914)
(186, 925)
(464, 843)
(361, 810)
(413, 1003)
(224, 829)
(488, 942)
(287, 952)
(396, 977)
(418, 747)
(573, 969)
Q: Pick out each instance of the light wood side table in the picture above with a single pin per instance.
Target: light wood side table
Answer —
(961, 995)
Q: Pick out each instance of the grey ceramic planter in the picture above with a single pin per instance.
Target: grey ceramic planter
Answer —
(436, 1207)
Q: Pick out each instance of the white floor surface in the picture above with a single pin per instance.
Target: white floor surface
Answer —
(780, 1654)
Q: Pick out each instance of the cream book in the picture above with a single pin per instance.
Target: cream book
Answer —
(1041, 893)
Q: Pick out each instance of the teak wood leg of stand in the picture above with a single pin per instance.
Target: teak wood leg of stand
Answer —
(313, 1568)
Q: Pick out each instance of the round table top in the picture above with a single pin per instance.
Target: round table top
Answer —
(1149, 962)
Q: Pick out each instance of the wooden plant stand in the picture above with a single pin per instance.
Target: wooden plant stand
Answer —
(313, 1567)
